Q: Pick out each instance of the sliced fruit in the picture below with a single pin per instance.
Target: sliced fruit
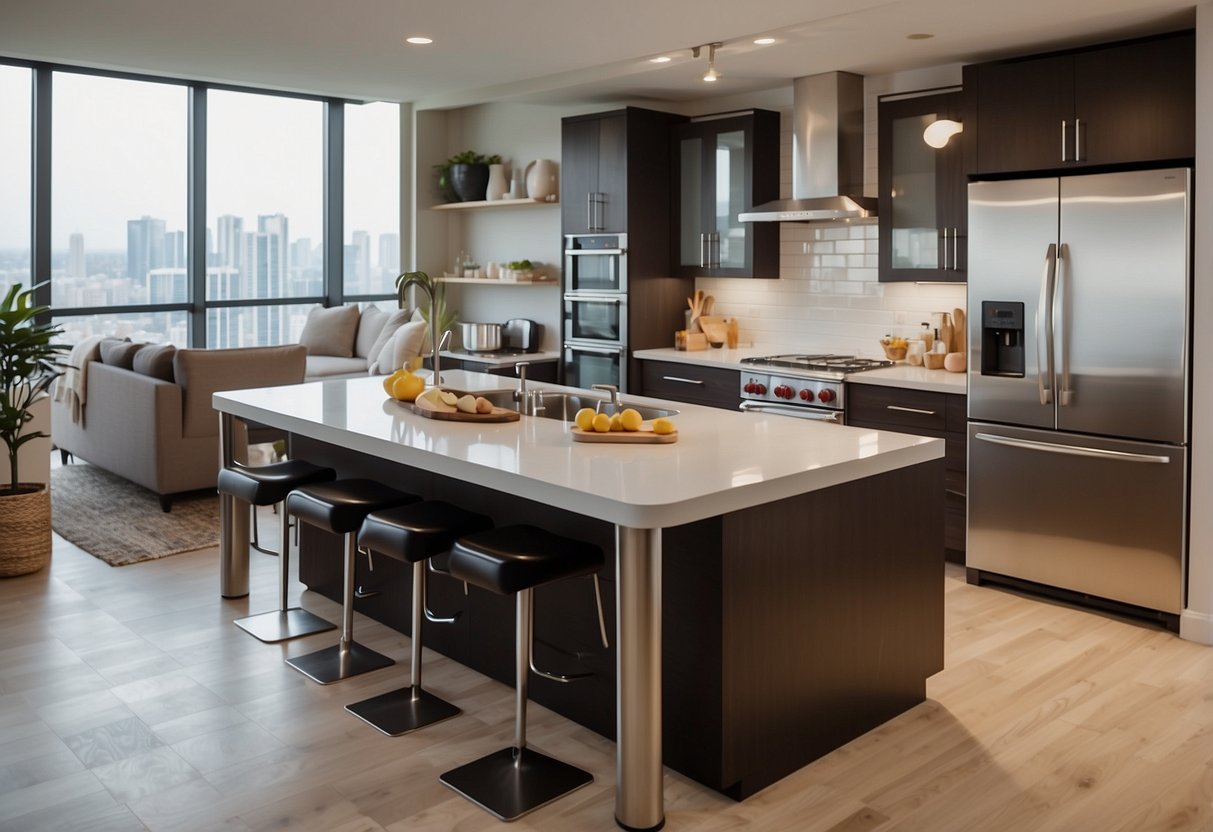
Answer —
(447, 397)
(433, 395)
(662, 426)
(602, 423)
(585, 418)
(407, 387)
(483, 405)
(466, 403)
(630, 419)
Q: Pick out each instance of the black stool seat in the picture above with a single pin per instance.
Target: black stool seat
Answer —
(514, 558)
(418, 531)
(269, 484)
(340, 506)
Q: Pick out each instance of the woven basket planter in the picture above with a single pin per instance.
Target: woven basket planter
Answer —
(25, 531)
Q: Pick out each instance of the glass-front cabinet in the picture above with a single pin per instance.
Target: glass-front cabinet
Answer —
(922, 203)
(726, 165)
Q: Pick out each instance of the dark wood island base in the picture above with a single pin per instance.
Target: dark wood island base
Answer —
(790, 628)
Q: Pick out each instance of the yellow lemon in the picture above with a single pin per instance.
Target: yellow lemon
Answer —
(388, 381)
(407, 387)
(616, 424)
(662, 426)
(630, 419)
(585, 418)
(413, 364)
(602, 423)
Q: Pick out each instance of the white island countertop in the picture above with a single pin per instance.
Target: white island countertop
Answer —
(899, 375)
(723, 461)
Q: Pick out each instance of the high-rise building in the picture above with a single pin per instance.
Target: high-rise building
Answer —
(75, 256)
(358, 279)
(174, 250)
(144, 248)
(168, 285)
(389, 255)
(228, 250)
(223, 325)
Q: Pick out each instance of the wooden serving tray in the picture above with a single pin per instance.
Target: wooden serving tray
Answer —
(644, 436)
(448, 413)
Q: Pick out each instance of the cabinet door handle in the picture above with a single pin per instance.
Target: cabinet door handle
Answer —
(945, 248)
(1064, 143)
(600, 211)
(682, 380)
(1077, 140)
(703, 247)
(901, 409)
(955, 249)
(589, 211)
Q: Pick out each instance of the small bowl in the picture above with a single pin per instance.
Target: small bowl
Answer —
(933, 360)
(893, 353)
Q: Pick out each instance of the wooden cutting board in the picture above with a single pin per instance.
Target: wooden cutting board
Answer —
(448, 413)
(714, 327)
(644, 436)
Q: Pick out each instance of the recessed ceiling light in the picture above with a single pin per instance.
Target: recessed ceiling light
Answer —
(919, 36)
(664, 59)
(418, 41)
(764, 41)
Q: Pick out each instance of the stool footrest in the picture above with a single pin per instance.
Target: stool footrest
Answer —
(280, 625)
(403, 710)
(332, 664)
(510, 783)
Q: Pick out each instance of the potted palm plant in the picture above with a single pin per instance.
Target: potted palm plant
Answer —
(29, 362)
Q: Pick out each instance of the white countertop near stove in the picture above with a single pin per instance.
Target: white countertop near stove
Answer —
(498, 360)
(899, 375)
(723, 460)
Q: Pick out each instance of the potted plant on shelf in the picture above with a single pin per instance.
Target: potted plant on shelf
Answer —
(466, 174)
(28, 364)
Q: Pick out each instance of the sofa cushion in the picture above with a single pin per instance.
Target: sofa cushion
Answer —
(327, 366)
(119, 353)
(406, 343)
(395, 319)
(201, 372)
(370, 324)
(155, 360)
(330, 331)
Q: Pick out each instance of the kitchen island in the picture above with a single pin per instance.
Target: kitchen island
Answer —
(801, 599)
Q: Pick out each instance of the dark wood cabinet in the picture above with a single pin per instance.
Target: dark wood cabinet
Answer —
(594, 183)
(711, 386)
(923, 203)
(726, 165)
(923, 413)
(537, 371)
(1124, 103)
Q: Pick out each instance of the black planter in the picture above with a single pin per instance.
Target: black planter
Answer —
(470, 182)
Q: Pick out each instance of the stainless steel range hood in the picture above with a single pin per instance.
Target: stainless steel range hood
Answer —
(827, 154)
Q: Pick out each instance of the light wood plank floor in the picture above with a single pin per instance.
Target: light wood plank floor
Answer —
(129, 701)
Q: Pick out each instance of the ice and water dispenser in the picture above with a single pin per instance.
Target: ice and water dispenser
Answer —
(1001, 338)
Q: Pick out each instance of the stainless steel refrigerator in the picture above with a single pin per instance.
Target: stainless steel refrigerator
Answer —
(1079, 370)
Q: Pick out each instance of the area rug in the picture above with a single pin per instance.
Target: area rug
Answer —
(121, 523)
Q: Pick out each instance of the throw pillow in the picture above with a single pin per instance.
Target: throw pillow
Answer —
(399, 349)
(370, 324)
(155, 360)
(119, 353)
(396, 319)
(330, 331)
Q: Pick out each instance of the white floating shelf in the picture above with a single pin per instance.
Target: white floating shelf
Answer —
(484, 281)
(495, 203)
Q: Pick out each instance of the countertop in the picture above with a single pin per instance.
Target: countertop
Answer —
(723, 461)
(899, 375)
(502, 360)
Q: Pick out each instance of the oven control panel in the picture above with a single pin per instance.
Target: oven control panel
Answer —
(791, 390)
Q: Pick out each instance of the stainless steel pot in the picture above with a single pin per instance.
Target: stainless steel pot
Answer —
(480, 337)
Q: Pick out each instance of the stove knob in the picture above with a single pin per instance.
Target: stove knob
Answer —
(778, 391)
(825, 396)
(789, 392)
(806, 395)
(749, 387)
(760, 389)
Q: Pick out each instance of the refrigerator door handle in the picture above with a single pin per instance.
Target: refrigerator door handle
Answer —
(1071, 450)
(1044, 327)
(1060, 325)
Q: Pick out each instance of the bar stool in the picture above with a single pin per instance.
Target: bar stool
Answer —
(515, 559)
(340, 507)
(414, 533)
(267, 485)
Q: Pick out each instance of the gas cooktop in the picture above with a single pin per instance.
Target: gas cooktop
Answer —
(842, 364)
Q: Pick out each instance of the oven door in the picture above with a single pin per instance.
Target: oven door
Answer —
(595, 263)
(815, 414)
(588, 364)
(599, 318)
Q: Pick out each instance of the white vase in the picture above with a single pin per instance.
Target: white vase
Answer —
(497, 184)
(541, 180)
(518, 183)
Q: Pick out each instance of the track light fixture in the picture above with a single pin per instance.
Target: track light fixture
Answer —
(711, 75)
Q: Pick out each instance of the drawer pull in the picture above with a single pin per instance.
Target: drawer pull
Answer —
(683, 380)
(909, 409)
(952, 492)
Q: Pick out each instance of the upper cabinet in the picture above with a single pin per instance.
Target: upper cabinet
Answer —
(594, 183)
(726, 165)
(1124, 103)
(922, 203)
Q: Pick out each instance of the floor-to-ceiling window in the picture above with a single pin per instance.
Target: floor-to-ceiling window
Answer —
(15, 158)
(371, 256)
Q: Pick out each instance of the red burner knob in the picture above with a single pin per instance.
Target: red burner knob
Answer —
(760, 389)
(806, 395)
(749, 388)
(825, 396)
(789, 392)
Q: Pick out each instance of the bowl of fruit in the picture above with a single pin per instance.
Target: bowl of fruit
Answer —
(894, 347)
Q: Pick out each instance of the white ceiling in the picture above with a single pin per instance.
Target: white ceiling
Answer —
(558, 50)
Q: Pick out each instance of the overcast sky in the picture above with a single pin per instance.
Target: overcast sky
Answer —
(120, 153)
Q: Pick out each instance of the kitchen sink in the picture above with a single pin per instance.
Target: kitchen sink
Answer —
(564, 406)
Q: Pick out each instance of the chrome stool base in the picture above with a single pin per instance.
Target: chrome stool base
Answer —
(511, 783)
(280, 625)
(332, 664)
(403, 710)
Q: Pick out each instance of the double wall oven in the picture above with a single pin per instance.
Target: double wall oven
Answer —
(803, 386)
(595, 309)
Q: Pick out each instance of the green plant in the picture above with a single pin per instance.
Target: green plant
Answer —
(28, 365)
(435, 291)
(467, 157)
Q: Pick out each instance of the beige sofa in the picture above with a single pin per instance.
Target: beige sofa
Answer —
(344, 341)
(164, 435)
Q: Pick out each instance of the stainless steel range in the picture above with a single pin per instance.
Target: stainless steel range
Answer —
(805, 386)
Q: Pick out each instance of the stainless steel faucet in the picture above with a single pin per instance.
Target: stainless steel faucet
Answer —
(613, 390)
(530, 402)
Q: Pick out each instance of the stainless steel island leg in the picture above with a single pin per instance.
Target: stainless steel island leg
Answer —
(639, 799)
(233, 514)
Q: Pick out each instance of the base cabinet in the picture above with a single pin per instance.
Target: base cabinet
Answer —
(711, 386)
